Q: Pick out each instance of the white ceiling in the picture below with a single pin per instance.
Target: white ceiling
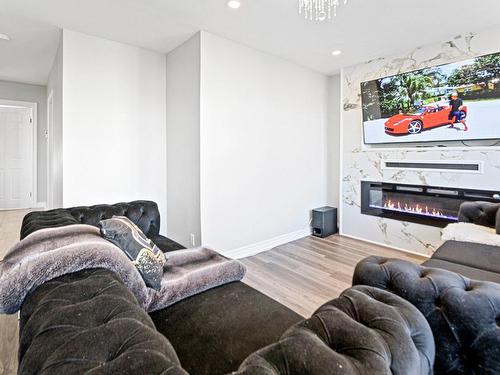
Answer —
(29, 55)
(363, 29)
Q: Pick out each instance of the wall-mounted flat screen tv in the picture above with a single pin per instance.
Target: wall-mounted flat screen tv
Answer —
(453, 102)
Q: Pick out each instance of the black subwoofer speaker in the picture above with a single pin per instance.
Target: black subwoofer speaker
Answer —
(324, 221)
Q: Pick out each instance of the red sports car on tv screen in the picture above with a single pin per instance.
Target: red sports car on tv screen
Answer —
(427, 117)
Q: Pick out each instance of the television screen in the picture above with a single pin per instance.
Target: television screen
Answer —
(453, 102)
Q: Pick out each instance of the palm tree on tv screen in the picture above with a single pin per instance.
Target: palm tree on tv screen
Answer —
(482, 71)
(402, 92)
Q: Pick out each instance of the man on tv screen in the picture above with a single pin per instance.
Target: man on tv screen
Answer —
(456, 103)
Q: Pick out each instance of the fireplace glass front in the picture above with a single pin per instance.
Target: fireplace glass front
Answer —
(435, 206)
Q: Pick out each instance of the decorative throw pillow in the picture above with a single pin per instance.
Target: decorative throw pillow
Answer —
(146, 256)
(468, 232)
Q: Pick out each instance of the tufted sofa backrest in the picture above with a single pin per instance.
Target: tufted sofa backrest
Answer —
(144, 214)
(464, 314)
(481, 213)
(364, 331)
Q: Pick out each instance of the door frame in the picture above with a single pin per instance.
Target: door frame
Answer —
(34, 113)
(50, 155)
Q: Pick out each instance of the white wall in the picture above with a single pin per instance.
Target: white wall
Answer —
(263, 148)
(183, 142)
(365, 163)
(114, 133)
(333, 142)
(35, 94)
(55, 161)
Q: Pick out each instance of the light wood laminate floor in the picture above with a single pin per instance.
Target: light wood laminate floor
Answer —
(302, 275)
(10, 224)
(306, 273)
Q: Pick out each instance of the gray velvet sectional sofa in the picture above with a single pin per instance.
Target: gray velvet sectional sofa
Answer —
(473, 260)
(212, 332)
(399, 318)
(457, 291)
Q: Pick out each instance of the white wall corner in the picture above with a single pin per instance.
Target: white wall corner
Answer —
(259, 247)
(42, 205)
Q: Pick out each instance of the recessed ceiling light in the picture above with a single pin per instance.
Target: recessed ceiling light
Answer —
(4, 37)
(336, 52)
(234, 4)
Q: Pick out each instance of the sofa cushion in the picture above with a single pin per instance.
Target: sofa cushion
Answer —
(364, 331)
(213, 332)
(469, 272)
(89, 322)
(464, 314)
(484, 257)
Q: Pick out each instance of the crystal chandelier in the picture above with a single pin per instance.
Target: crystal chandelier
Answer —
(319, 10)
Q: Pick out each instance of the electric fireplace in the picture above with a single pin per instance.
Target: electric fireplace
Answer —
(429, 205)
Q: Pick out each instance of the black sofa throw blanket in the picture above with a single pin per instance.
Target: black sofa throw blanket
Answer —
(49, 253)
(146, 256)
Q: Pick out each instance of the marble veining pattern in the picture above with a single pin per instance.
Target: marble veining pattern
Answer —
(366, 162)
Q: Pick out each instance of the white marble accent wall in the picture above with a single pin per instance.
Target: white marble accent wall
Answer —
(361, 162)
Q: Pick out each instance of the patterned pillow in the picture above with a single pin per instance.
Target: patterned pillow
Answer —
(146, 256)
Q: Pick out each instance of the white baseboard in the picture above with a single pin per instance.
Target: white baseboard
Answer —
(385, 245)
(259, 247)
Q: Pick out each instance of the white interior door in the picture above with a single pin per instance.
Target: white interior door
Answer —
(16, 158)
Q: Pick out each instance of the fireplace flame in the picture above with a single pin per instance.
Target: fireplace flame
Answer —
(414, 209)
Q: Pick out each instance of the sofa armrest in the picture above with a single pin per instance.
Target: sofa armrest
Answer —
(464, 314)
(364, 331)
(480, 213)
(90, 322)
